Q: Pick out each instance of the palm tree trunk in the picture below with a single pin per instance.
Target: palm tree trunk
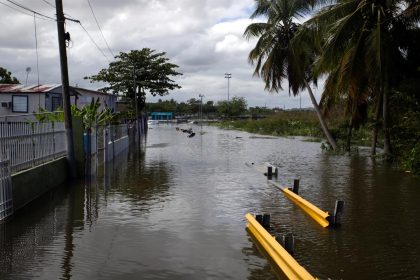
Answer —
(387, 141)
(324, 126)
(376, 127)
(348, 144)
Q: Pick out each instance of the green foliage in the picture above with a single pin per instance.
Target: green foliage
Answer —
(91, 116)
(288, 123)
(44, 115)
(236, 107)
(137, 71)
(6, 77)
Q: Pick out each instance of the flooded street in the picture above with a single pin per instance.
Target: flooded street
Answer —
(174, 209)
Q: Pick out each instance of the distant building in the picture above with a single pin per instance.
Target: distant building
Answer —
(18, 99)
(160, 116)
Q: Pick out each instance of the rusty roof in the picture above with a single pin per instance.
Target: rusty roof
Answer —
(18, 88)
(7, 88)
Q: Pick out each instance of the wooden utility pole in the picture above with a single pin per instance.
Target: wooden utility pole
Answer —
(65, 89)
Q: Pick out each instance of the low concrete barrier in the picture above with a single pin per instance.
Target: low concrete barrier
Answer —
(32, 183)
(278, 254)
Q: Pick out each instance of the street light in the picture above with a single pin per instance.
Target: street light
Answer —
(228, 76)
(201, 110)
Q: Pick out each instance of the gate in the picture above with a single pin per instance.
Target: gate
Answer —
(6, 197)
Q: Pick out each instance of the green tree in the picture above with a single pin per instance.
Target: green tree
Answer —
(274, 55)
(6, 77)
(366, 50)
(139, 71)
(235, 107)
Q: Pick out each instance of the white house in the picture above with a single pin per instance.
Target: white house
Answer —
(16, 99)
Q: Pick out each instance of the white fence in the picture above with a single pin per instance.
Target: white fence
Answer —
(115, 140)
(27, 144)
(6, 198)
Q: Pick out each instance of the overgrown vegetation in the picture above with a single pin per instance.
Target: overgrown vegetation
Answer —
(367, 51)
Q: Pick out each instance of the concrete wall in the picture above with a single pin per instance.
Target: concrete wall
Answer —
(32, 183)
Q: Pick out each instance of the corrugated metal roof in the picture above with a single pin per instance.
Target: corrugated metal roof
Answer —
(81, 91)
(7, 88)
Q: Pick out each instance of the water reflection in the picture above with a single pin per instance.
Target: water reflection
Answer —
(173, 208)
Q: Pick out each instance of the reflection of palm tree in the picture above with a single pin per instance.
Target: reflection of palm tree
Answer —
(274, 54)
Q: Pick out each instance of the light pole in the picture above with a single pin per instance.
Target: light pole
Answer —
(228, 76)
(201, 110)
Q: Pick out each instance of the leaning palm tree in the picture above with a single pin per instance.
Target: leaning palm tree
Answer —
(362, 48)
(274, 55)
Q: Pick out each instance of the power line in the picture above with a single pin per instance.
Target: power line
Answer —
(99, 27)
(30, 10)
(50, 18)
(93, 41)
(37, 59)
(22, 12)
(49, 3)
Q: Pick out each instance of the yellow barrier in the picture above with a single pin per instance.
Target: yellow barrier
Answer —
(279, 255)
(317, 214)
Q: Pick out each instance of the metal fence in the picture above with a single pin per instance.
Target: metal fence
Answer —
(6, 198)
(27, 144)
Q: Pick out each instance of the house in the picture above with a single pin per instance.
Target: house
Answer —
(16, 99)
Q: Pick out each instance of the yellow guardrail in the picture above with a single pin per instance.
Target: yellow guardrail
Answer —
(278, 254)
(317, 214)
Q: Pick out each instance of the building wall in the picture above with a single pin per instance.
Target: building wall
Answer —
(35, 100)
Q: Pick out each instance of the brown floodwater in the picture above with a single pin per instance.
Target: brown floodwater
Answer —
(174, 207)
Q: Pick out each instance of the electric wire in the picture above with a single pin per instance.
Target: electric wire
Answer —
(99, 27)
(30, 10)
(49, 3)
(93, 41)
(37, 59)
(22, 12)
(50, 18)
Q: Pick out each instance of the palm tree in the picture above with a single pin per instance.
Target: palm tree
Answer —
(274, 55)
(362, 49)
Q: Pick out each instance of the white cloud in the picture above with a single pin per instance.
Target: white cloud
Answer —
(203, 37)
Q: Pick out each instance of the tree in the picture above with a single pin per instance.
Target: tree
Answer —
(6, 77)
(139, 71)
(235, 107)
(274, 55)
(363, 53)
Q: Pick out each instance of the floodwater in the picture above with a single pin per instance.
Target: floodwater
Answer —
(174, 209)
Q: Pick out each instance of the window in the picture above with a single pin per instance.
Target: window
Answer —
(20, 103)
(56, 103)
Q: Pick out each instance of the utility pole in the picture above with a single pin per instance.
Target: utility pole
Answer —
(66, 92)
(136, 101)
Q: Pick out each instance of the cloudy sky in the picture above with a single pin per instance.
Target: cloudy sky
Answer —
(203, 37)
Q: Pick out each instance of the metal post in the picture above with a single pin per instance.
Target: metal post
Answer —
(65, 89)
(201, 110)
(296, 186)
(228, 76)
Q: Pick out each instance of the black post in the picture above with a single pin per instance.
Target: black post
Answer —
(338, 211)
(259, 219)
(296, 186)
(66, 93)
(269, 172)
(266, 221)
(288, 242)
